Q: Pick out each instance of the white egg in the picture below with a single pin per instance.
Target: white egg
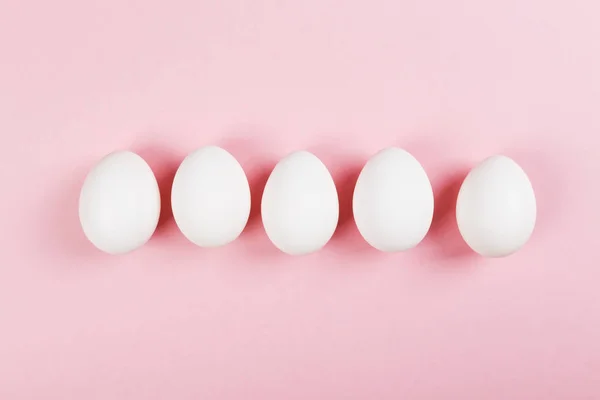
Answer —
(393, 201)
(119, 203)
(300, 207)
(496, 207)
(210, 197)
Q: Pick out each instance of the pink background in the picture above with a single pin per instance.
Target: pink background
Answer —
(451, 81)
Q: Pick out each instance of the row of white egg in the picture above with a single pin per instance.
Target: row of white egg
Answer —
(393, 203)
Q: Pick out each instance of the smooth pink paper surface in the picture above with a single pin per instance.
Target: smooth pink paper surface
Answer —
(451, 81)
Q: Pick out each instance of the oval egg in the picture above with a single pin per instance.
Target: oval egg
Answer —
(393, 201)
(210, 197)
(119, 203)
(496, 207)
(300, 206)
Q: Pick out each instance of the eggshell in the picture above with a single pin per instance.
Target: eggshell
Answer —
(393, 201)
(210, 197)
(119, 203)
(300, 207)
(496, 207)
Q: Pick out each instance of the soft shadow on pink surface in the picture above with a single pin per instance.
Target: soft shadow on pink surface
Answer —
(347, 238)
(258, 163)
(444, 246)
(345, 181)
(345, 167)
(257, 179)
(444, 236)
(252, 154)
(164, 164)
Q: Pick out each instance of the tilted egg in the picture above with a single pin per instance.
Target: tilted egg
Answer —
(210, 197)
(119, 203)
(393, 201)
(300, 206)
(496, 207)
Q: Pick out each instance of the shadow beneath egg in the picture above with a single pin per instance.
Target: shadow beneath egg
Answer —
(164, 163)
(253, 154)
(257, 179)
(345, 182)
(347, 238)
(258, 167)
(444, 241)
(345, 167)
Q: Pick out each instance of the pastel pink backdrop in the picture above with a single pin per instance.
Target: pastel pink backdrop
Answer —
(451, 81)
